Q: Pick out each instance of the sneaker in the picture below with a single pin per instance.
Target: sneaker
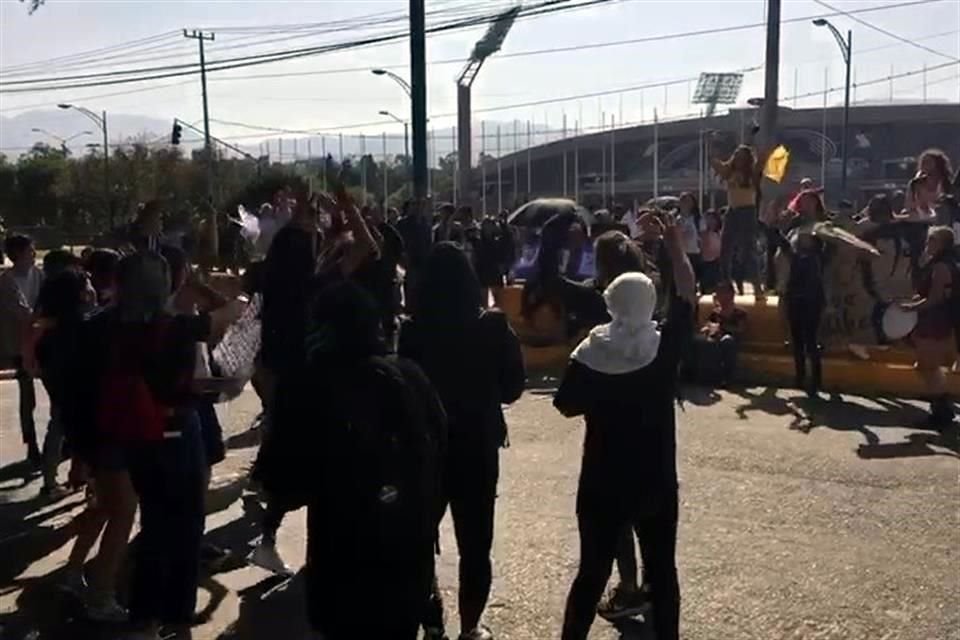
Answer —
(266, 556)
(107, 609)
(482, 632)
(73, 584)
(621, 603)
(434, 633)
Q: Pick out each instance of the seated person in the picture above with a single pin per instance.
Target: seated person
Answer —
(716, 346)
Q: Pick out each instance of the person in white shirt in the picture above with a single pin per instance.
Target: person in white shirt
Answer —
(19, 290)
(691, 224)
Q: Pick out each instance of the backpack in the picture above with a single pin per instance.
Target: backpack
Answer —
(398, 438)
(128, 410)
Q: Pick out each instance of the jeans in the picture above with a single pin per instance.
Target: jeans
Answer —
(28, 402)
(739, 237)
(168, 477)
(804, 318)
(600, 533)
(470, 485)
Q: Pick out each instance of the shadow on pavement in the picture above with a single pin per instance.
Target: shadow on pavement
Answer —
(916, 445)
(272, 608)
(23, 471)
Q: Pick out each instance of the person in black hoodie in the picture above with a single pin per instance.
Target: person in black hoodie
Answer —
(474, 360)
(375, 437)
(629, 473)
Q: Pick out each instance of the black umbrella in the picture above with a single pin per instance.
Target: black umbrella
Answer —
(536, 212)
(664, 202)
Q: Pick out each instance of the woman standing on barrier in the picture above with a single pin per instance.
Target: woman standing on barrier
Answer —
(741, 173)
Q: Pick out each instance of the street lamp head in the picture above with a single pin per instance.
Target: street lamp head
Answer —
(378, 72)
(820, 22)
(64, 105)
(35, 130)
(384, 113)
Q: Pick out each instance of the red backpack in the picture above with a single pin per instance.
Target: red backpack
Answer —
(128, 410)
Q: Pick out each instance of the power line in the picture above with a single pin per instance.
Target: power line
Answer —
(537, 10)
(887, 33)
(245, 61)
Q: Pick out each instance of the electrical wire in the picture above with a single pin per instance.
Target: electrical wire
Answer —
(213, 65)
(887, 33)
(331, 48)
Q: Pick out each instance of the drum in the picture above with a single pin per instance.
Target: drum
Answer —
(898, 323)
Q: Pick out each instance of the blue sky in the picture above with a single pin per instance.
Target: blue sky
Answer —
(315, 102)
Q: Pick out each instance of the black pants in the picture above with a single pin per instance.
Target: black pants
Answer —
(470, 486)
(28, 403)
(739, 239)
(772, 234)
(804, 318)
(600, 533)
(169, 480)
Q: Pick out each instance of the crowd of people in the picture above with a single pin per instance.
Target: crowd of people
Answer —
(383, 367)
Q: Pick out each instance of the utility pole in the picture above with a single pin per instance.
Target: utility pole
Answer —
(418, 102)
(771, 95)
(202, 37)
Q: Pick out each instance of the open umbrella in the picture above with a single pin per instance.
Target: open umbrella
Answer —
(536, 212)
(664, 202)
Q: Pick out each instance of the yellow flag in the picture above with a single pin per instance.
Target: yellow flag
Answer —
(777, 162)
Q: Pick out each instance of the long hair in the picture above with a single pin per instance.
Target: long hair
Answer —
(741, 166)
(449, 297)
(615, 255)
(942, 162)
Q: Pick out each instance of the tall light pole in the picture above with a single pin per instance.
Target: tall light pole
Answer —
(101, 122)
(846, 50)
(406, 133)
(63, 141)
(398, 79)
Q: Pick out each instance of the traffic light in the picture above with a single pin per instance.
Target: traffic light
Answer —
(176, 133)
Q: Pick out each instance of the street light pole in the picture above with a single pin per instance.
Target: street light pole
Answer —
(846, 50)
(406, 134)
(101, 122)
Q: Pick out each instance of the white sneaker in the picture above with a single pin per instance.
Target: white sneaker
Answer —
(106, 609)
(266, 556)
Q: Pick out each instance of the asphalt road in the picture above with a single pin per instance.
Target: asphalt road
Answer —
(799, 521)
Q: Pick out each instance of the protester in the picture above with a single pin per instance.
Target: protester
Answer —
(718, 343)
(936, 165)
(101, 264)
(19, 290)
(65, 298)
(577, 258)
(923, 196)
(741, 173)
(380, 276)
(449, 327)
(374, 441)
(628, 476)
(805, 298)
(414, 229)
(293, 272)
(146, 231)
(689, 219)
(711, 250)
(492, 257)
(938, 304)
(142, 379)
